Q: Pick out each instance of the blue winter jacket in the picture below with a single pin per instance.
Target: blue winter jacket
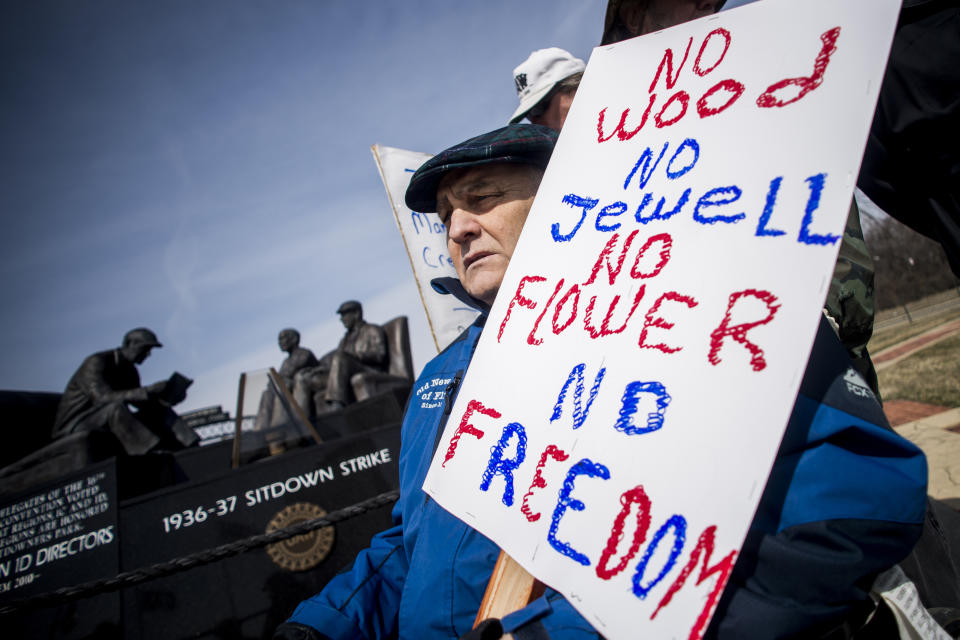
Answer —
(845, 501)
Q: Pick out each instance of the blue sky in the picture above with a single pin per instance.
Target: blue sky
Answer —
(204, 168)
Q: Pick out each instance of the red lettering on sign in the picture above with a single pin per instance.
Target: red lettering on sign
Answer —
(466, 427)
(704, 545)
(552, 451)
(634, 496)
(612, 271)
(660, 323)
(605, 329)
(739, 331)
(667, 241)
(620, 131)
(575, 289)
(667, 60)
(806, 84)
(735, 88)
(532, 338)
(519, 298)
(696, 63)
(684, 99)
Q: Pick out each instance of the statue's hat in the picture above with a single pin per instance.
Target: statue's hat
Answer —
(141, 336)
(348, 306)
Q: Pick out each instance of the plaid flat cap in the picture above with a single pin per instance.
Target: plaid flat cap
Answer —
(519, 143)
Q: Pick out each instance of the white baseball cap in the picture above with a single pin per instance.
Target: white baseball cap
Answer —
(538, 74)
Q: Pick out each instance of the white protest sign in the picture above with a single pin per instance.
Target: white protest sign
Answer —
(425, 239)
(626, 401)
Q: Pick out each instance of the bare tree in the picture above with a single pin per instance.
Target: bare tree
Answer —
(908, 265)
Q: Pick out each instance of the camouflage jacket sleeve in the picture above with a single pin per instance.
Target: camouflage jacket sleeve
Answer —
(850, 300)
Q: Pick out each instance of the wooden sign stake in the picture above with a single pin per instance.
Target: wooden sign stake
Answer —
(510, 588)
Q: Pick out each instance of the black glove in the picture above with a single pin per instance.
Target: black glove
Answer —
(489, 629)
(296, 631)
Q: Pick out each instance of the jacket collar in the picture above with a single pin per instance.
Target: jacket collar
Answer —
(453, 286)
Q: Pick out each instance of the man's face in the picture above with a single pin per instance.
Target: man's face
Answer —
(140, 353)
(287, 340)
(556, 113)
(350, 319)
(484, 209)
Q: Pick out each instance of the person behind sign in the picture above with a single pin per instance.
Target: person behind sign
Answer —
(546, 83)
(845, 499)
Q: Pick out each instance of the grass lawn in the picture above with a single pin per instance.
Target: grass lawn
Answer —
(931, 375)
(884, 338)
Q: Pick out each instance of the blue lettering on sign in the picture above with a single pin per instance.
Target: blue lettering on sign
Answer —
(679, 525)
(505, 468)
(651, 206)
(435, 262)
(584, 467)
(806, 236)
(647, 170)
(610, 211)
(423, 221)
(714, 198)
(630, 402)
(768, 210)
(580, 412)
(657, 215)
(574, 201)
(691, 144)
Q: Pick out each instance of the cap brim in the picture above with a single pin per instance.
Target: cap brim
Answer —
(529, 102)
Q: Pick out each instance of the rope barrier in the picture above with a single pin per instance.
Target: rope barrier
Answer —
(183, 563)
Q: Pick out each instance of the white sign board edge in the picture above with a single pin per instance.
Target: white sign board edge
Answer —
(723, 425)
(424, 239)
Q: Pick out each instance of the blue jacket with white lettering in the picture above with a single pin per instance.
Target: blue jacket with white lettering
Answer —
(846, 500)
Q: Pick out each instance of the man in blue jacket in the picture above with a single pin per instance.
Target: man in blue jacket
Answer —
(845, 500)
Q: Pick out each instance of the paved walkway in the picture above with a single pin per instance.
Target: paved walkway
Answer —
(892, 355)
(934, 429)
(938, 436)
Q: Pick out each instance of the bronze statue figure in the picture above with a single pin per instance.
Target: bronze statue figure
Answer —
(299, 361)
(298, 357)
(99, 395)
(363, 348)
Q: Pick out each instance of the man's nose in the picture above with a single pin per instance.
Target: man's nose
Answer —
(462, 225)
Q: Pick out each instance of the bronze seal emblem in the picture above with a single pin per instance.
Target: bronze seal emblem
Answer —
(305, 551)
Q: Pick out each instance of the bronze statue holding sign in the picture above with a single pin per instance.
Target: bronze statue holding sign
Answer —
(99, 395)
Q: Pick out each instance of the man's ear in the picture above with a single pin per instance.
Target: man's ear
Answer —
(708, 5)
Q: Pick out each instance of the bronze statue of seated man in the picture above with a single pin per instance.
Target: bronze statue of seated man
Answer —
(363, 348)
(100, 394)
